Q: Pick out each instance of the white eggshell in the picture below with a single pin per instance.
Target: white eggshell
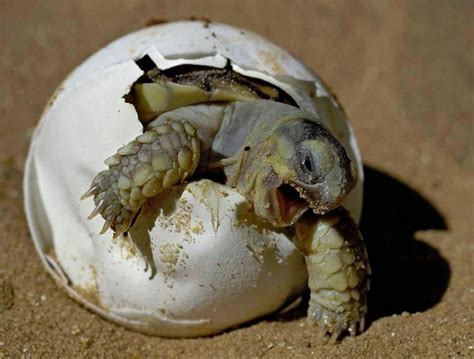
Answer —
(211, 264)
(220, 268)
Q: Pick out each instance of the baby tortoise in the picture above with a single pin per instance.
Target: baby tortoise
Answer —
(280, 158)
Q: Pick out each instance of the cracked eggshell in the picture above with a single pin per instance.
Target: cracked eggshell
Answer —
(211, 44)
(195, 268)
(221, 267)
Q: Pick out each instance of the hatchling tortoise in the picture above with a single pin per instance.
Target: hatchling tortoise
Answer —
(215, 123)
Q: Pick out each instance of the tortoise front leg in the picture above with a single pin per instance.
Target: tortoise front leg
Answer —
(155, 160)
(338, 271)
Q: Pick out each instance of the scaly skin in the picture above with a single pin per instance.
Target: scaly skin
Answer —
(156, 160)
(338, 270)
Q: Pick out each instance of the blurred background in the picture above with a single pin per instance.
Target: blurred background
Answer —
(403, 71)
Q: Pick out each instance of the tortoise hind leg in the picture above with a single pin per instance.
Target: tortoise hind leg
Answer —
(155, 160)
(338, 271)
(163, 95)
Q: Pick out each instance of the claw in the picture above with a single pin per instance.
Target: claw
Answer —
(108, 223)
(353, 329)
(97, 210)
(335, 334)
(94, 190)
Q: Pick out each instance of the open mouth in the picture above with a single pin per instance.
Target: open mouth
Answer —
(290, 204)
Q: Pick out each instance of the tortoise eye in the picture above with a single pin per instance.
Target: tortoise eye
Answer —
(311, 173)
(308, 164)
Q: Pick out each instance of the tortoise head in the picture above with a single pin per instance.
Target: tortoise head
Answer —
(305, 167)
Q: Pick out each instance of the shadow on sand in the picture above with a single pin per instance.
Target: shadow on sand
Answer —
(407, 275)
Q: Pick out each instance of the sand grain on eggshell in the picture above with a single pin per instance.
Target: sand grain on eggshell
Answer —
(401, 69)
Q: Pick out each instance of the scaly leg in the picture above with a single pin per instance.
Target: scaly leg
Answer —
(338, 271)
(155, 160)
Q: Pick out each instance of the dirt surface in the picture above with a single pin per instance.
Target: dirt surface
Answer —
(403, 71)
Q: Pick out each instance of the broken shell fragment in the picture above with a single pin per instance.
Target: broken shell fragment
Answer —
(196, 260)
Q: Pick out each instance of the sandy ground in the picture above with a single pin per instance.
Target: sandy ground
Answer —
(403, 71)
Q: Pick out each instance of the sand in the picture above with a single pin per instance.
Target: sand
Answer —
(403, 71)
